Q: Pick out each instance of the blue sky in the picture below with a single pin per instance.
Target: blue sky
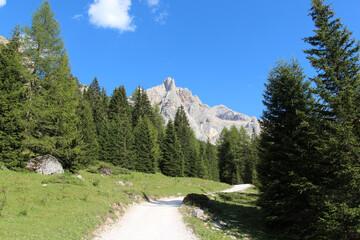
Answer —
(222, 50)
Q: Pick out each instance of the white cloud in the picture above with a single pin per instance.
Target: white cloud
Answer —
(77, 16)
(162, 17)
(152, 3)
(111, 14)
(2, 3)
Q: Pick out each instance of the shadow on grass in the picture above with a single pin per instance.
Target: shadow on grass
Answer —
(237, 210)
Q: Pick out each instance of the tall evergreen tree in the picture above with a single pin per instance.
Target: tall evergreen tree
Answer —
(145, 147)
(52, 120)
(142, 106)
(87, 140)
(335, 57)
(171, 162)
(193, 167)
(287, 157)
(116, 134)
(212, 161)
(12, 101)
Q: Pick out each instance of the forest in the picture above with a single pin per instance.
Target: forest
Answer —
(306, 161)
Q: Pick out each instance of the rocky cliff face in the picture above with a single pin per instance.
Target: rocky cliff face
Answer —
(207, 122)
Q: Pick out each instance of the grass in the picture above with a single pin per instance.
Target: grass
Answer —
(35, 206)
(237, 210)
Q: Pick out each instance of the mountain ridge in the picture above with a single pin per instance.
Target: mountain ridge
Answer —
(207, 122)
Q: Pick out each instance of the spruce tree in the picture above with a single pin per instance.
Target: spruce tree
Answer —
(141, 106)
(335, 57)
(144, 147)
(288, 153)
(212, 161)
(13, 77)
(52, 120)
(171, 162)
(193, 167)
(116, 133)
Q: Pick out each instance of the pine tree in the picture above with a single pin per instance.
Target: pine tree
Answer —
(193, 167)
(88, 140)
(12, 101)
(288, 156)
(212, 161)
(145, 147)
(142, 106)
(335, 57)
(98, 102)
(52, 120)
(116, 133)
(171, 162)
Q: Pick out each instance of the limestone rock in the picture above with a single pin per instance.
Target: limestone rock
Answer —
(129, 184)
(198, 213)
(3, 40)
(207, 122)
(48, 165)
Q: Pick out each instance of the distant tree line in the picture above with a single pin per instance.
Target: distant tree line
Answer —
(45, 110)
(309, 156)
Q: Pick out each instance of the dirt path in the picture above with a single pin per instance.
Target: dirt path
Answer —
(154, 220)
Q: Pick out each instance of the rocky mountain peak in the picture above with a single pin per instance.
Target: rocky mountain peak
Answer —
(169, 84)
(207, 122)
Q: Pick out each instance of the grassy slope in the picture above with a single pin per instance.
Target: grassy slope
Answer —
(70, 208)
(238, 210)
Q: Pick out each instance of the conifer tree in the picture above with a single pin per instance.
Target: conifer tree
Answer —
(88, 140)
(52, 120)
(171, 162)
(212, 161)
(142, 106)
(116, 134)
(193, 167)
(335, 57)
(13, 77)
(288, 156)
(144, 147)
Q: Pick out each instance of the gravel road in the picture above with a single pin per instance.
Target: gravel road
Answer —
(155, 220)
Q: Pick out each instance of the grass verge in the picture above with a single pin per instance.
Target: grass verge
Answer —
(227, 216)
(35, 206)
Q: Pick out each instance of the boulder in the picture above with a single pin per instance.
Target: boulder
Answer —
(198, 213)
(48, 165)
(129, 184)
(105, 170)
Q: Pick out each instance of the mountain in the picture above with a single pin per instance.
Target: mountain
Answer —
(207, 122)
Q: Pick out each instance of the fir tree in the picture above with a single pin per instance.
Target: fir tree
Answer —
(142, 106)
(288, 156)
(12, 101)
(335, 57)
(193, 167)
(145, 147)
(212, 161)
(171, 162)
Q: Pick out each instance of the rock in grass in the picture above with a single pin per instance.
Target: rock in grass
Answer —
(198, 213)
(48, 165)
(120, 183)
(129, 184)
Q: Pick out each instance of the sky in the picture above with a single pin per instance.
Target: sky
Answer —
(221, 50)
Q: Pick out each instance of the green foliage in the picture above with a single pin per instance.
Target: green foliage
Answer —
(142, 106)
(193, 166)
(51, 126)
(335, 57)
(145, 147)
(12, 102)
(288, 152)
(172, 161)
(235, 156)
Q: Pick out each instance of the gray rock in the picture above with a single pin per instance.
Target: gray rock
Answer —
(207, 122)
(79, 177)
(120, 183)
(105, 170)
(129, 184)
(48, 165)
(198, 213)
